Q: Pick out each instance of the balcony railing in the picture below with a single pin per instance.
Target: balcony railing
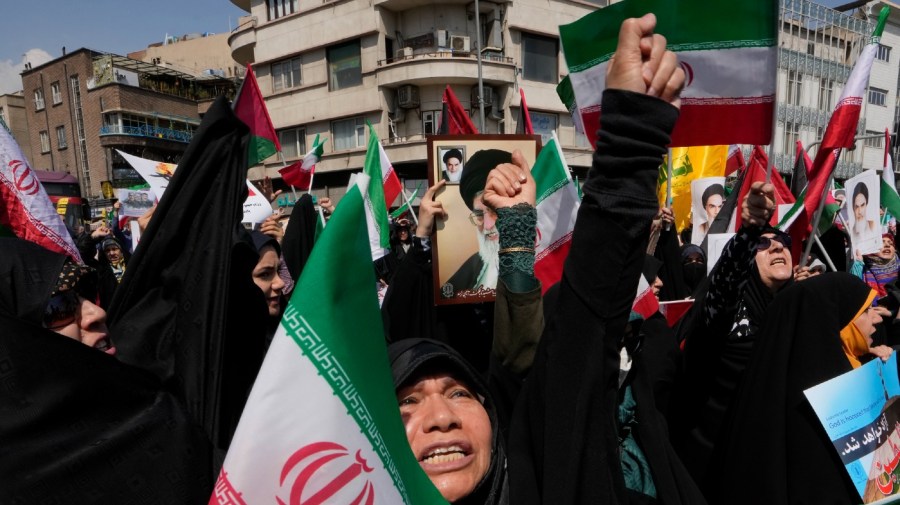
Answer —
(148, 131)
(487, 57)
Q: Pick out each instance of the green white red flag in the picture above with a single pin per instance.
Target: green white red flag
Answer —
(378, 167)
(557, 207)
(322, 424)
(890, 200)
(841, 130)
(250, 108)
(25, 209)
(300, 174)
(729, 57)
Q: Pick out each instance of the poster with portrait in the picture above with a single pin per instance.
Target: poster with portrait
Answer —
(452, 162)
(135, 203)
(863, 201)
(707, 199)
(465, 245)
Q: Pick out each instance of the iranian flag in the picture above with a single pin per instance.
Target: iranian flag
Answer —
(728, 56)
(300, 174)
(840, 131)
(890, 200)
(322, 423)
(250, 108)
(25, 209)
(557, 208)
(377, 167)
(645, 302)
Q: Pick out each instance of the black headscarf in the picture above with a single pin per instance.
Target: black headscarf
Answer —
(773, 435)
(77, 424)
(407, 357)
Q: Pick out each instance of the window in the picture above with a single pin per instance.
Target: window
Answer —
(344, 66)
(539, 58)
(55, 93)
(45, 142)
(877, 96)
(3, 115)
(791, 136)
(293, 142)
(795, 82)
(285, 74)
(544, 124)
(349, 133)
(883, 53)
(877, 142)
(826, 91)
(38, 99)
(61, 137)
(431, 122)
(281, 8)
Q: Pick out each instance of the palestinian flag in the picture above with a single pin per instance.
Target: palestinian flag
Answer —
(557, 208)
(250, 108)
(25, 209)
(728, 56)
(322, 423)
(300, 174)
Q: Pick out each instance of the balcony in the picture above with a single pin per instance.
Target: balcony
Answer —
(445, 67)
(243, 40)
(148, 131)
(242, 4)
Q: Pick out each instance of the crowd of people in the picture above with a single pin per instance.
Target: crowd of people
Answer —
(570, 397)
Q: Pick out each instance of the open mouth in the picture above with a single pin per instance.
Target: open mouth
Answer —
(778, 261)
(444, 455)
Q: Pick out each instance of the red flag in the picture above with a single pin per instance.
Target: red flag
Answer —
(524, 116)
(250, 108)
(456, 117)
(756, 171)
(675, 310)
(735, 161)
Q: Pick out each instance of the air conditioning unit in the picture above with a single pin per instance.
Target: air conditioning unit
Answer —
(403, 53)
(397, 115)
(460, 44)
(442, 38)
(488, 97)
(408, 96)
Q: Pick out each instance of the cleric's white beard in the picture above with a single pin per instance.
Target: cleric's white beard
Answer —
(489, 252)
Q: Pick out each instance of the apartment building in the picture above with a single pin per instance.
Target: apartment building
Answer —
(12, 112)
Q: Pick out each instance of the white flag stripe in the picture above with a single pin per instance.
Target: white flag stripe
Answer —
(589, 84)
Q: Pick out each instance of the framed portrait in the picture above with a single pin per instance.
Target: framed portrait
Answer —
(452, 159)
(135, 203)
(465, 245)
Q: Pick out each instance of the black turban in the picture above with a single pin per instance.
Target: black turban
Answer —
(453, 153)
(477, 168)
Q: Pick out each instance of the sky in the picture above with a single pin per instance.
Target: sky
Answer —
(37, 32)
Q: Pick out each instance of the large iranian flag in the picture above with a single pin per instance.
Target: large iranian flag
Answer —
(557, 208)
(728, 56)
(322, 423)
(25, 209)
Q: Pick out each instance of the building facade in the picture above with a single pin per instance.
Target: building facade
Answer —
(12, 111)
(330, 67)
(85, 105)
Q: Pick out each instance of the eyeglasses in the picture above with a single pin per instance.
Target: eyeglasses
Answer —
(766, 242)
(477, 217)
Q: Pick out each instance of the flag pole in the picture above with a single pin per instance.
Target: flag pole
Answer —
(817, 216)
(409, 205)
(668, 181)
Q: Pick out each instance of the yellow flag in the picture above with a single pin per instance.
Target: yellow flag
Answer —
(689, 163)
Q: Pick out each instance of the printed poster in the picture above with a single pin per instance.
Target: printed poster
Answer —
(861, 415)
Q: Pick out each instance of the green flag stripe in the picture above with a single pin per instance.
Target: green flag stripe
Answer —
(549, 172)
(889, 199)
(372, 168)
(260, 148)
(682, 22)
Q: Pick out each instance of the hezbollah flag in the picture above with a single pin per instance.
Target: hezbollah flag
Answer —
(689, 163)
(728, 56)
(322, 424)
